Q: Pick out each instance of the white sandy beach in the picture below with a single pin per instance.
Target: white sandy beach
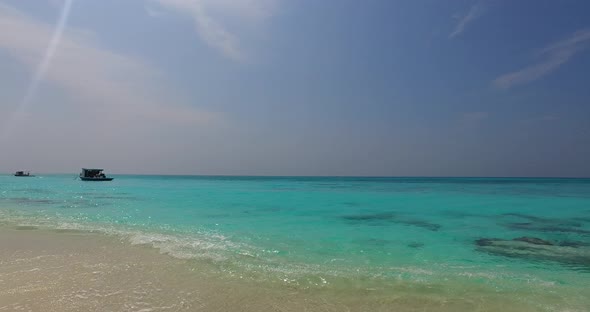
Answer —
(53, 270)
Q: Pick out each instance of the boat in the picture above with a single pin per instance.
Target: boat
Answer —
(93, 175)
(23, 174)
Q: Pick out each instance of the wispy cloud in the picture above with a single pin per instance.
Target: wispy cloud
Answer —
(120, 90)
(152, 11)
(208, 16)
(475, 11)
(553, 56)
(94, 106)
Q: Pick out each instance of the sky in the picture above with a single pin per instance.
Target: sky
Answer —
(307, 87)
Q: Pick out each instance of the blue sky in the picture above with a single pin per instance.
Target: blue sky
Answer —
(276, 87)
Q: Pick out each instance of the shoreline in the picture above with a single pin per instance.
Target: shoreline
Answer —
(72, 270)
(80, 271)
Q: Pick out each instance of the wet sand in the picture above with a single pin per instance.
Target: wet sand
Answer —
(46, 271)
(49, 270)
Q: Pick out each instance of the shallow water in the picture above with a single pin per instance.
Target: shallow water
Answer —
(382, 234)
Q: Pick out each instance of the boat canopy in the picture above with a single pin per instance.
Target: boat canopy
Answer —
(87, 172)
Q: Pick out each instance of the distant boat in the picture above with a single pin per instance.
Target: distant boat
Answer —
(23, 174)
(93, 175)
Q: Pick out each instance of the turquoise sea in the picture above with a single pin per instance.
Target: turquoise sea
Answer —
(525, 235)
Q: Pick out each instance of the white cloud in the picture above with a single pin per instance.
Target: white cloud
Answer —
(475, 11)
(553, 56)
(209, 14)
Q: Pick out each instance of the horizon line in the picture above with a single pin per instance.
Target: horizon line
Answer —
(321, 176)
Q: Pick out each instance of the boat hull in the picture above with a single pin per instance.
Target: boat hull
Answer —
(96, 179)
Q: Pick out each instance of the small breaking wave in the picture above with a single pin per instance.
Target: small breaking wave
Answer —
(242, 260)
